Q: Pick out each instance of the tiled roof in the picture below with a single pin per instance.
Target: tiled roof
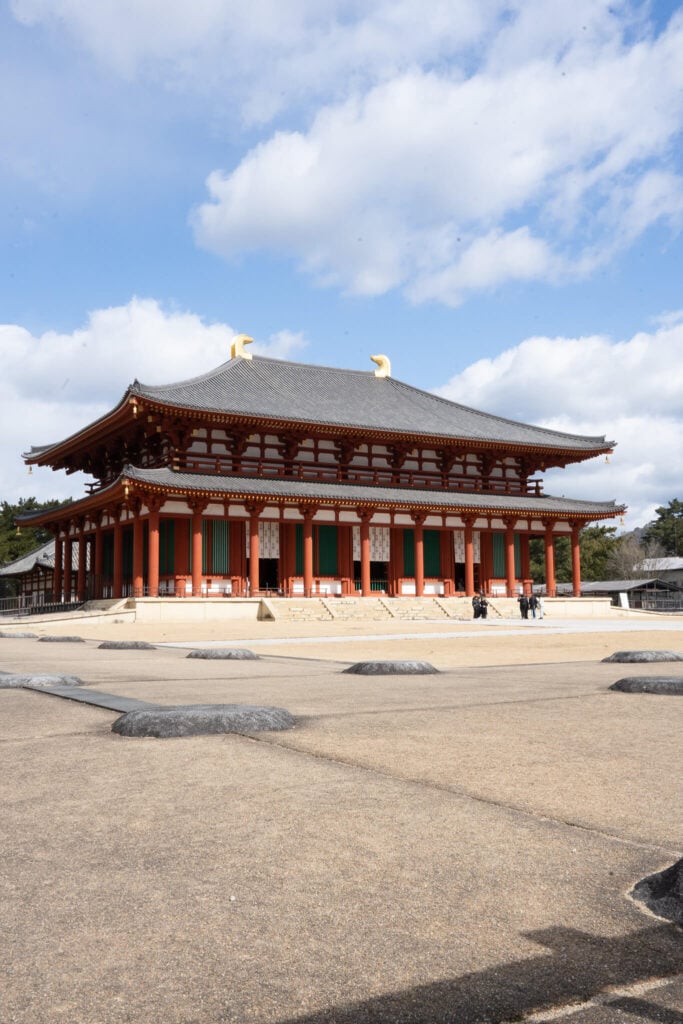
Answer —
(354, 399)
(44, 556)
(347, 493)
(624, 585)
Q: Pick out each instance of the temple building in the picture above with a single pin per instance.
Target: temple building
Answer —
(268, 476)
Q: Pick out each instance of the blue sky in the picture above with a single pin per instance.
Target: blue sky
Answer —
(489, 192)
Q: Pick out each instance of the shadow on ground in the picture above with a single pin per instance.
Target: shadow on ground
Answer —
(578, 967)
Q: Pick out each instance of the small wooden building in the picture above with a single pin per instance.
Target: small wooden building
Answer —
(271, 476)
(653, 595)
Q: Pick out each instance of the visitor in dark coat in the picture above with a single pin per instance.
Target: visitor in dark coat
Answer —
(524, 606)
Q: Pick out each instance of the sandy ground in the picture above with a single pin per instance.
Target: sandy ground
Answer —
(444, 643)
(456, 847)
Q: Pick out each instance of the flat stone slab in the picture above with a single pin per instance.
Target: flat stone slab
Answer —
(392, 668)
(632, 657)
(37, 682)
(98, 699)
(61, 640)
(227, 653)
(662, 893)
(17, 636)
(126, 645)
(671, 686)
(202, 720)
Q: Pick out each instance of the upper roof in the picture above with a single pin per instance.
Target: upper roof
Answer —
(304, 393)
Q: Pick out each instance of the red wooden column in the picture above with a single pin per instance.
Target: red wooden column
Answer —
(419, 518)
(447, 561)
(550, 585)
(237, 556)
(576, 560)
(308, 514)
(68, 563)
(254, 554)
(345, 557)
(510, 556)
(99, 556)
(397, 566)
(525, 556)
(197, 509)
(469, 555)
(486, 559)
(117, 589)
(59, 569)
(365, 515)
(82, 550)
(153, 549)
(138, 564)
(283, 560)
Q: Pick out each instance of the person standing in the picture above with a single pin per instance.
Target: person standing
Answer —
(540, 607)
(483, 605)
(476, 606)
(523, 606)
(533, 605)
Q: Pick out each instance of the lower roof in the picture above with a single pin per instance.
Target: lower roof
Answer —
(351, 494)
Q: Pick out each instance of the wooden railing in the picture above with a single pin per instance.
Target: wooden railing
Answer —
(249, 466)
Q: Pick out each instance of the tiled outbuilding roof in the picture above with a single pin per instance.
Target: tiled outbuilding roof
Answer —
(42, 557)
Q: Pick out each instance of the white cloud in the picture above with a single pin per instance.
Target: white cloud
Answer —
(55, 384)
(443, 183)
(630, 391)
(267, 54)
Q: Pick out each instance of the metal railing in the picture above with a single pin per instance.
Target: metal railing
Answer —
(24, 605)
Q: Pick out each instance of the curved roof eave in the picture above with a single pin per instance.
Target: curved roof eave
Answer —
(37, 451)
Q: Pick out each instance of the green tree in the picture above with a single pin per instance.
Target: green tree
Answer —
(12, 544)
(563, 560)
(667, 529)
(597, 544)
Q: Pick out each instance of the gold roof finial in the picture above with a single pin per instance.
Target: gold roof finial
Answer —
(383, 366)
(237, 347)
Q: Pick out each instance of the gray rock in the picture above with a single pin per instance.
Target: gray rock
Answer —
(18, 636)
(126, 645)
(61, 640)
(392, 668)
(668, 685)
(632, 657)
(228, 653)
(202, 720)
(662, 893)
(37, 682)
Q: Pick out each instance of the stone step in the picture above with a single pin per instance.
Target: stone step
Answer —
(415, 609)
(357, 609)
(311, 609)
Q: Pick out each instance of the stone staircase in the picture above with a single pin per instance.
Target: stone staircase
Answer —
(414, 609)
(357, 609)
(455, 607)
(289, 609)
(374, 609)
